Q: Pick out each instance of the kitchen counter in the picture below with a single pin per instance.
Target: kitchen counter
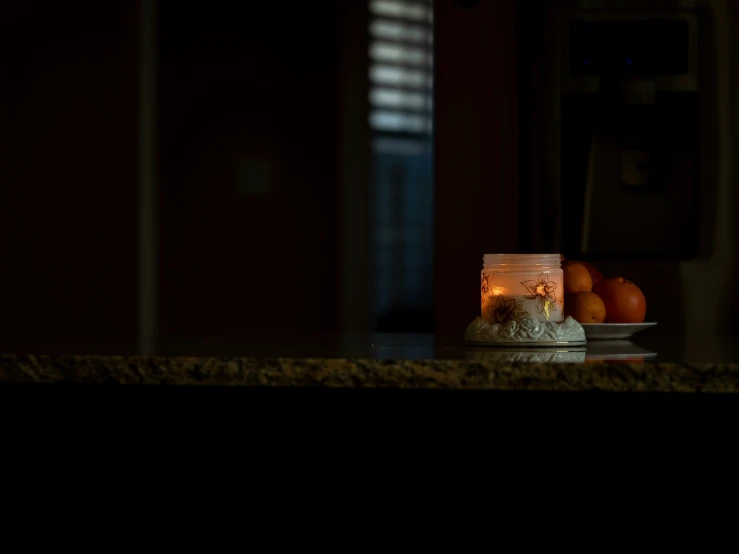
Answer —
(335, 432)
(394, 361)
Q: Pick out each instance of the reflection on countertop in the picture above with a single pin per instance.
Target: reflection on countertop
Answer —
(651, 346)
(594, 351)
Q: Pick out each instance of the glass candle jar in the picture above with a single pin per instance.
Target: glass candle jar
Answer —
(515, 286)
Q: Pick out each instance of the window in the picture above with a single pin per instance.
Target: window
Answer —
(401, 122)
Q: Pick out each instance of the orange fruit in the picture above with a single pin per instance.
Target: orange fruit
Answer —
(576, 278)
(595, 273)
(624, 301)
(585, 307)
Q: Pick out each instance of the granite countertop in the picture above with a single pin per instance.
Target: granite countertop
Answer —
(393, 361)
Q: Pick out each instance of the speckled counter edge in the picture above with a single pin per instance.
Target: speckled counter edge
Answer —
(431, 374)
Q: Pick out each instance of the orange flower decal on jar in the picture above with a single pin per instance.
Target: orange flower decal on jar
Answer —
(486, 287)
(505, 310)
(541, 292)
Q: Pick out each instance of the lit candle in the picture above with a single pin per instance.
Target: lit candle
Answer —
(515, 286)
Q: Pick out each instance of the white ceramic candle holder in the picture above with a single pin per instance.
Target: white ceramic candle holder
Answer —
(514, 354)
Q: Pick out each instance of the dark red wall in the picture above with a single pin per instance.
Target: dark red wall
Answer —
(476, 151)
(68, 173)
(251, 82)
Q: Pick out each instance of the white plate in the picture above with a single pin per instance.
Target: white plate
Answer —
(616, 349)
(599, 331)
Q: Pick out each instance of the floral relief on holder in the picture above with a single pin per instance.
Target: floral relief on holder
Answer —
(522, 303)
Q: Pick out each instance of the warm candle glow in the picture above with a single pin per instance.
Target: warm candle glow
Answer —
(514, 286)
